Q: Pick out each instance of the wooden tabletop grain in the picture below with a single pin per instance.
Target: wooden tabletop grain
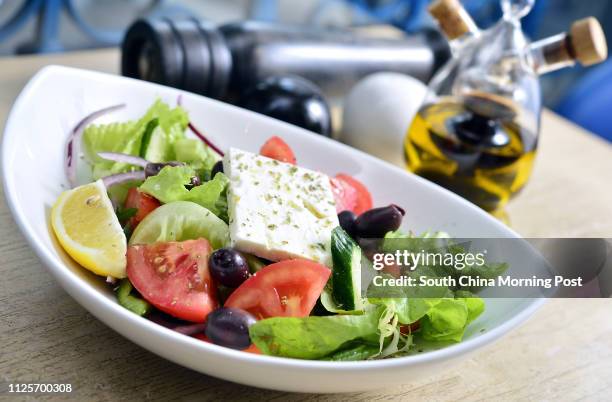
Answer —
(563, 353)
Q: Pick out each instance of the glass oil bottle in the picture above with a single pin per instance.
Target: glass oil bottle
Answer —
(477, 131)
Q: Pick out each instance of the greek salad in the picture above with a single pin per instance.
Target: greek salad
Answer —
(246, 250)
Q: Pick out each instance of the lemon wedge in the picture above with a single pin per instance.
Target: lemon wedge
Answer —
(86, 226)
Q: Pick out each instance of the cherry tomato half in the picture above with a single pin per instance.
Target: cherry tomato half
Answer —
(278, 149)
(350, 194)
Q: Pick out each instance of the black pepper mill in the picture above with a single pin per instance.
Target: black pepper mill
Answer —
(220, 62)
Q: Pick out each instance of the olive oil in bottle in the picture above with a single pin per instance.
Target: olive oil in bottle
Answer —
(474, 147)
(477, 130)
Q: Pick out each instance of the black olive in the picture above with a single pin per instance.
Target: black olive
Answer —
(376, 222)
(217, 168)
(229, 327)
(369, 247)
(291, 99)
(347, 221)
(228, 267)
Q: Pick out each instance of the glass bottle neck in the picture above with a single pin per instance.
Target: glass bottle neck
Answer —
(552, 54)
(458, 43)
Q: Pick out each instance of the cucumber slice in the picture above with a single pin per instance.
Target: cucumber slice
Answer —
(346, 272)
(178, 221)
(133, 303)
(146, 137)
(157, 148)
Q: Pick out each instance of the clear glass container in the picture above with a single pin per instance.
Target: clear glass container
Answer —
(477, 131)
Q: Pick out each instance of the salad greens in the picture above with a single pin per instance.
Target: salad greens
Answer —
(313, 337)
(163, 125)
(195, 153)
(169, 185)
(181, 220)
(448, 319)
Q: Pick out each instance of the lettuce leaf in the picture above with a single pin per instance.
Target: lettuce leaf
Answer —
(441, 242)
(354, 351)
(179, 221)
(212, 195)
(195, 153)
(448, 319)
(313, 337)
(127, 138)
(169, 186)
(408, 310)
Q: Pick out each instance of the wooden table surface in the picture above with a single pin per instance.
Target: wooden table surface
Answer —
(563, 353)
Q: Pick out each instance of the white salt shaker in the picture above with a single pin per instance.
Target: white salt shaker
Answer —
(377, 113)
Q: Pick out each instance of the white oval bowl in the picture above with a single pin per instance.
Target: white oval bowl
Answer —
(56, 98)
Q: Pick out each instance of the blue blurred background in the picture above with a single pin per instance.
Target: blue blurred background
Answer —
(44, 26)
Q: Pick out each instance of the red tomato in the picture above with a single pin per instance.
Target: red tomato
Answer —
(283, 289)
(142, 202)
(278, 149)
(174, 277)
(407, 329)
(350, 194)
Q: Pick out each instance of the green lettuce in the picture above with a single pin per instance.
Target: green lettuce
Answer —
(157, 130)
(448, 319)
(169, 186)
(374, 334)
(180, 221)
(408, 310)
(443, 319)
(195, 153)
(354, 351)
(313, 337)
(441, 242)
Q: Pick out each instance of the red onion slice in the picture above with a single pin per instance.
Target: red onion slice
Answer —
(191, 329)
(124, 158)
(74, 141)
(204, 139)
(119, 178)
(180, 326)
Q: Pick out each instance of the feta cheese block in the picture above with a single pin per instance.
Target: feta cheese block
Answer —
(277, 210)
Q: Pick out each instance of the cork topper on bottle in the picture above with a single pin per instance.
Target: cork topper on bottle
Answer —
(452, 18)
(588, 41)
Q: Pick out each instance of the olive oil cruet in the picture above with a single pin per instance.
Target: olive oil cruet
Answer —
(477, 131)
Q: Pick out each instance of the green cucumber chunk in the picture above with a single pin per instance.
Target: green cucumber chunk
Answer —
(126, 299)
(179, 221)
(346, 271)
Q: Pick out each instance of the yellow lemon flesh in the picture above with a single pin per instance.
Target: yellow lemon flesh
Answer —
(86, 226)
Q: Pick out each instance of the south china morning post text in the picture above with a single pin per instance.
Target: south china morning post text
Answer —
(389, 262)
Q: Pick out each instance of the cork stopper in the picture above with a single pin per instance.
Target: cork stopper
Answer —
(588, 41)
(452, 18)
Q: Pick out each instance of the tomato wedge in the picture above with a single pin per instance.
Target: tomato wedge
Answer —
(278, 149)
(142, 202)
(408, 329)
(350, 194)
(283, 289)
(174, 277)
